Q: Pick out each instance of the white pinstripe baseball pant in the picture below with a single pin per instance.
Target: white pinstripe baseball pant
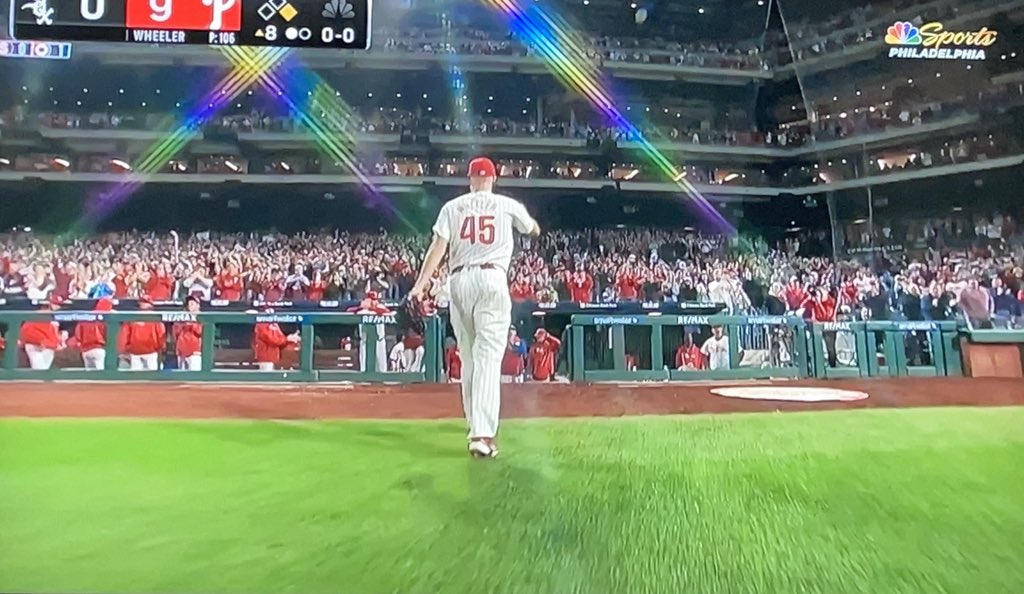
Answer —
(481, 312)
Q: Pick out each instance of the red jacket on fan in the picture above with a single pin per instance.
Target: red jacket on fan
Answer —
(453, 362)
(315, 291)
(627, 286)
(542, 355)
(848, 294)
(41, 334)
(93, 335)
(273, 290)
(581, 287)
(795, 296)
(521, 291)
(120, 287)
(267, 342)
(370, 306)
(188, 338)
(159, 288)
(229, 286)
(142, 338)
(823, 310)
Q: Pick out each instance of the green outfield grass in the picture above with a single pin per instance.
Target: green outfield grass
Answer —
(870, 501)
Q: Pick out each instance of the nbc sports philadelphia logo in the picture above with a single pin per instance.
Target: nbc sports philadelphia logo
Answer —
(933, 41)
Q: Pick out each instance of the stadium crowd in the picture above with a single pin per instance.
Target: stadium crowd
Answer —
(808, 38)
(920, 269)
(826, 125)
(739, 56)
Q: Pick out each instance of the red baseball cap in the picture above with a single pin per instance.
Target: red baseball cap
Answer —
(105, 304)
(482, 167)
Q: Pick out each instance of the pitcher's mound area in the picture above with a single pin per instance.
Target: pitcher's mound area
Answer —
(790, 393)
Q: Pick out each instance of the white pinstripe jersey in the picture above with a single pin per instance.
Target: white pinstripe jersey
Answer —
(478, 228)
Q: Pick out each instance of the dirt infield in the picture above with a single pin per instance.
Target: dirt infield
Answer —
(427, 401)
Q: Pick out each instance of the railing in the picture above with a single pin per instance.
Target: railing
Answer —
(713, 347)
(364, 355)
(597, 347)
(885, 349)
(757, 348)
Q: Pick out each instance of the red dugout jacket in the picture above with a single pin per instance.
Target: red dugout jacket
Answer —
(267, 342)
(188, 338)
(142, 338)
(41, 334)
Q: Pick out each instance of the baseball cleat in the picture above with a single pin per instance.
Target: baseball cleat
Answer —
(482, 448)
(494, 447)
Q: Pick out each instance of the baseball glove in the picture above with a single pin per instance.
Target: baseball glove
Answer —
(410, 314)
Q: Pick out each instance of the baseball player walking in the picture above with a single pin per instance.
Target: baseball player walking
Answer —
(476, 230)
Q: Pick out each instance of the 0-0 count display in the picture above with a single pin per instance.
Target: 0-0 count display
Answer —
(342, 24)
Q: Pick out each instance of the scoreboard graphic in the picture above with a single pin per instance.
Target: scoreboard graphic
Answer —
(338, 24)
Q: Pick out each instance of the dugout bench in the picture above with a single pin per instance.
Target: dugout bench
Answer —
(308, 325)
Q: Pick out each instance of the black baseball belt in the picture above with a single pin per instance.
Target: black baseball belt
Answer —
(459, 269)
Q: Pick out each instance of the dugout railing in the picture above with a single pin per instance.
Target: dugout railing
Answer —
(647, 348)
(641, 348)
(365, 328)
(596, 347)
(885, 349)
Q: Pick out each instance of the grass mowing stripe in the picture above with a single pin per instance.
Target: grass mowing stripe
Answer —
(926, 500)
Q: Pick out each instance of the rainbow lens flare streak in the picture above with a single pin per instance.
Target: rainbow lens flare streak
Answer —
(564, 52)
(333, 132)
(244, 74)
(457, 82)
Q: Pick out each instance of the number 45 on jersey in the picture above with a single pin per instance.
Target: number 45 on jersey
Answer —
(478, 229)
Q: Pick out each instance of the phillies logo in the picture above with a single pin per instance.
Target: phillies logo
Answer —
(218, 8)
(192, 15)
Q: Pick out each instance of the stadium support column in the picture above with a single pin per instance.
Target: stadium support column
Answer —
(865, 167)
(540, 112)
(830, 200)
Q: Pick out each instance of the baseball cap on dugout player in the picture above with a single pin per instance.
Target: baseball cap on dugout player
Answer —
(482, 167)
